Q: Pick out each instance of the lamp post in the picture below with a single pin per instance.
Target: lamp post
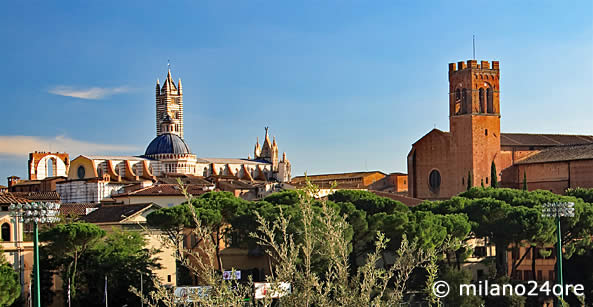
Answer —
(35, 213)
(558, 210)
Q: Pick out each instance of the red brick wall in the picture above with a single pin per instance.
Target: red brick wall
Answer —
(581, 174)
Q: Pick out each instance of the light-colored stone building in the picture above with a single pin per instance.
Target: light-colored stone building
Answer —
(96, 178)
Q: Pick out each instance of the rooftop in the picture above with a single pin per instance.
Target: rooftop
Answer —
(77, 209)
(8, 198)
(165, 190)
(560, 154)
(528, 139)
(39, 196)
(232, 161)
(115, 213)
(335, 176)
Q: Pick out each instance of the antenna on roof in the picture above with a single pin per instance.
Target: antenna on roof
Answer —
(474, 45)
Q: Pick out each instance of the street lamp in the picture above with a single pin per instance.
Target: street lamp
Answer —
(35, 213)
(558, 210)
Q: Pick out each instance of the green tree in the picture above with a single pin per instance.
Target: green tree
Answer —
(469, 180)
(122, 256)
(67, 243)
(455, 278)
(10, 288)
(524, 181)
(493, 176)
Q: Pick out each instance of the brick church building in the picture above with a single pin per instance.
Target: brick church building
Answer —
(441, 163)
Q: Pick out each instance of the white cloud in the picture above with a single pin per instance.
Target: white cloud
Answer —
(88, 93)
(22, 145)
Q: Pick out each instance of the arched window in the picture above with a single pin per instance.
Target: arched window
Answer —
(464, 102)
(482, 101)
(6, 232)
(434, 181)
(51, 164)
(490, 107)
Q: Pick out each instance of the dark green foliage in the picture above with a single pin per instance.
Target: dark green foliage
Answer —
(493, 176)
(470, 183)
(122, 256)
(504, 301)
(368, 202)
(10, 288)
(585, 194)
(289, 198)
(455, 278)
(524, 181)
(67, 243)
(83, 255)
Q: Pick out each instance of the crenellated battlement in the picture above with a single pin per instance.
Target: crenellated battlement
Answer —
(473, 64)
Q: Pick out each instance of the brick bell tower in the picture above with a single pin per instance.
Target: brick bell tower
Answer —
(169, 101)
(474, 119)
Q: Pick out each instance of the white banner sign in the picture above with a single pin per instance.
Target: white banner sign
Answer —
(263, 289)
(190, 294)
(228, 275)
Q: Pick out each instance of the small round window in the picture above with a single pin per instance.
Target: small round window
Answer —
(434, 181)
(80, 172)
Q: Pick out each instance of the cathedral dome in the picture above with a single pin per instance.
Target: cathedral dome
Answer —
(167, 143)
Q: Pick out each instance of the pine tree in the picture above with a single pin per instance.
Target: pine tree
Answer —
(524, 181)
(493, 175)
(469, 180)
(482, 183)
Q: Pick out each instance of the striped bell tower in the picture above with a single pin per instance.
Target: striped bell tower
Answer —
(169, 101)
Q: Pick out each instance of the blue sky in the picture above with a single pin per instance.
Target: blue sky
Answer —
(343, 85)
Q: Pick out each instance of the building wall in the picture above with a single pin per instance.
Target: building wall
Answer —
(544, 267)
(39, 162)
(551, 176)
(83, 191)
(163, 201)
(17, 252)
(432, 152)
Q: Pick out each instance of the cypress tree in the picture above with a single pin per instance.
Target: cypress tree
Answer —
(524, 181)
(493, 175)
(482, 183)
(469, 180)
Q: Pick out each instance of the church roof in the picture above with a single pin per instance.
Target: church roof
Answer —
(232, 161)
(560, 154)
(532, 139)
(130, 158)
(528, 139)
(167, 143)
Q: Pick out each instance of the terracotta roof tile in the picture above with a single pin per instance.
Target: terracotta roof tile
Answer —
(528, 139)
(8, 198)
(114, 213)
(334, 176)
(166, 190)
(78, 209)
(40, 196)
(559, 154)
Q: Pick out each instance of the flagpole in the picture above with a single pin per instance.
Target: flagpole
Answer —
(141, 292)
(106, 305)
(69, 299)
